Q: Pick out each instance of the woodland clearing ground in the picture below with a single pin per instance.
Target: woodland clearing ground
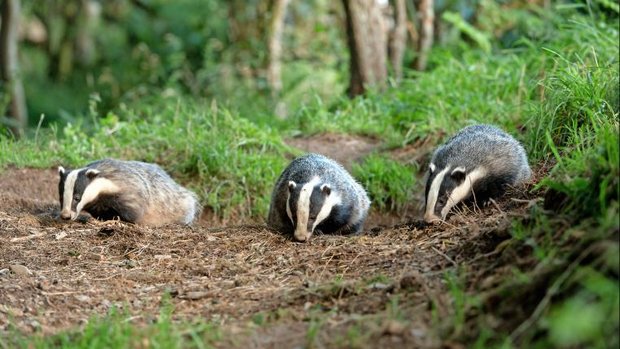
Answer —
(387, 283)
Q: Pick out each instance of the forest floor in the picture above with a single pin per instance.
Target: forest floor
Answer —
(387, 287)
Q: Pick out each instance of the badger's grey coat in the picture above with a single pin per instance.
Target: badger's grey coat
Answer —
(479, 162)
(133, 191)
(326, 183)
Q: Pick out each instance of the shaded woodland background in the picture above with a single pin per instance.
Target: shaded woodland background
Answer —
(265, 58)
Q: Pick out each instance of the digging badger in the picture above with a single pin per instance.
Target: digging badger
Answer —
(133, 191)
(476, 164)
(315, 193)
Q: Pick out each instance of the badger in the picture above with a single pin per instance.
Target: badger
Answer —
(475, 165)
(315, 193)
(132, 191)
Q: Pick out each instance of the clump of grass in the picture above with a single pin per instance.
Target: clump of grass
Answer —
(388, 182)
(116, 331)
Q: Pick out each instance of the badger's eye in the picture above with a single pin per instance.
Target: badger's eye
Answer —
(76, 197)
(442, 200)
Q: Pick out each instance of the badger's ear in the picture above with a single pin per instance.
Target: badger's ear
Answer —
(325, 189)
(92, 173)
(61, 171)
(432, 167)
(291, 185)
(458, 174)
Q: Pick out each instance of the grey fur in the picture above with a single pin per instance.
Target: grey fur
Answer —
(503, 158)
(148, 195)
(355, 202)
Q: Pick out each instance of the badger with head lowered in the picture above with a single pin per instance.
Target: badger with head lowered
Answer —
(133, 191)
(315, 193)
(476, 164)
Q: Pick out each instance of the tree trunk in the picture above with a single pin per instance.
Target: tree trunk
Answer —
(366, 38)
(427, 20)
(276, 27)
(398, 38)
(9, 68)
(88, 18)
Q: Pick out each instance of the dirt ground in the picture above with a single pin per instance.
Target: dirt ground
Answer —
(388, 281)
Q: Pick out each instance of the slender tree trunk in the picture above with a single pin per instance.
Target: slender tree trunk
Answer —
(366, 38)
(88, 18)
(398, 38)
(427, 20)
(276, 27)
(9, 68)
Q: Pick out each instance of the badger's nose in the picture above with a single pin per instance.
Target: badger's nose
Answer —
(302, 237)
(65, 215)
(431, 218)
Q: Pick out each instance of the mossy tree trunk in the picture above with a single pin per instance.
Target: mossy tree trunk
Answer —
(276, 28)
(367, 41)
(9, 65)
(398, 37)
(425, 42)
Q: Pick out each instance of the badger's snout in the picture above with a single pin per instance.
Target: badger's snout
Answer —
(66, 215)
(302, 236)
(431, 218)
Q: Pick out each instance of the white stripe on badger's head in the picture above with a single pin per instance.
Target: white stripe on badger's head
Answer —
(67, 186)
(95, 188)
(332, 199)
(303, 209)
(463, 190)
(291, 186)
(80, 187)
(433, 194)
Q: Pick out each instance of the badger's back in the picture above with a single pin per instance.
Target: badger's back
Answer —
(485, 146)
(149, 192)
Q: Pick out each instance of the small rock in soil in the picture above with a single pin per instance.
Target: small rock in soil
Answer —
(394, 327)
(195, 295)
(4, 272)
(83, 298)
(380, 286)
(20, 270)
(60, 235)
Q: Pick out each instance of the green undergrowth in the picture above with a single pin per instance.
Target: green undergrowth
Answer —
(566, 276)
(389, 183)
(116, 330)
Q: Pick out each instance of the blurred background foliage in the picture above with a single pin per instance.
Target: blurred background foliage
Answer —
(74, 52)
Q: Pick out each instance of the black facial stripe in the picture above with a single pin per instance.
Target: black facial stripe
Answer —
(81, 182)
(317, 199)
(429, 182)
(61, 186)
(294, 198)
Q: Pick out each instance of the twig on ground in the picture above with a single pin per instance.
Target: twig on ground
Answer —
(444, 256)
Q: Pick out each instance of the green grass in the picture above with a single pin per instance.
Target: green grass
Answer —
(115, 330)
(388, 183)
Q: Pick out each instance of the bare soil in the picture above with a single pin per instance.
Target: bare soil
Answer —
(387, 283)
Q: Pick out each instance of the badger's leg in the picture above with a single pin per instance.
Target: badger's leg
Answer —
(490, 188)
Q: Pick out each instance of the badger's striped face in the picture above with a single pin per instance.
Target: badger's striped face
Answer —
(80, 187)
(309, 204)
(446, 187)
